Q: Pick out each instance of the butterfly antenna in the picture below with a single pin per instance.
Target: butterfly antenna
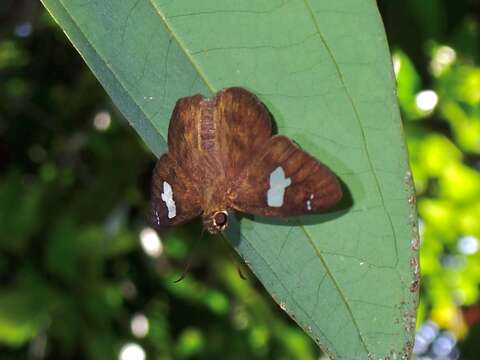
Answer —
(232, 259)
(190, 258)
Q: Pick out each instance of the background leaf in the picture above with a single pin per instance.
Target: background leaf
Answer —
(324, 71)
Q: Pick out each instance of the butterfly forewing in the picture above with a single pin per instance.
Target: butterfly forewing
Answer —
(183, 139)
(283, 180)
(244, 127)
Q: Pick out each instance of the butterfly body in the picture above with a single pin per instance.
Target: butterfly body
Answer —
(223, 156)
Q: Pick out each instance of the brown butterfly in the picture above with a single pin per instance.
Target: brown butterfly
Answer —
(222, 156)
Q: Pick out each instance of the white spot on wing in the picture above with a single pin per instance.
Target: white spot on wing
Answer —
(157, 216)
(309, 205)
(278, 184)
(167, 197)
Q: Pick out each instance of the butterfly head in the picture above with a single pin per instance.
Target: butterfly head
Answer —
(216, 221)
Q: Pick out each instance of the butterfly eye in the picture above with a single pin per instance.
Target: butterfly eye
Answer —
(220, 219)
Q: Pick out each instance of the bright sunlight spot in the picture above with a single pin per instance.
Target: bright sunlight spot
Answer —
(468, 245)
(131, 351)
(23, 29)
(151, 243)
(139, 325)
(443, 345)
(426, 100)
(102, 120)
(397, 64)
(444, 56)
(425, 336)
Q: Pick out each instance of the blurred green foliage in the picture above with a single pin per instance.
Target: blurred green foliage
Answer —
(74, 182)
(439, 94)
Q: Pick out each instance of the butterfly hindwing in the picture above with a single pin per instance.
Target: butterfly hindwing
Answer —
(283, 180)
(175, 199)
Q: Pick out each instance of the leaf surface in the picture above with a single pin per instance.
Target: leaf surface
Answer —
(324, 71)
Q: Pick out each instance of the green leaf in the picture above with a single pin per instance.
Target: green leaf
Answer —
(23, 309)
(324, 70)
(20, 214)
(20, 319)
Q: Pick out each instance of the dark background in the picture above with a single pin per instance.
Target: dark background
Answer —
(79, 267)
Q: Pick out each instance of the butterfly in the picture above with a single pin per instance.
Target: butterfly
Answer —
(222, 157)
